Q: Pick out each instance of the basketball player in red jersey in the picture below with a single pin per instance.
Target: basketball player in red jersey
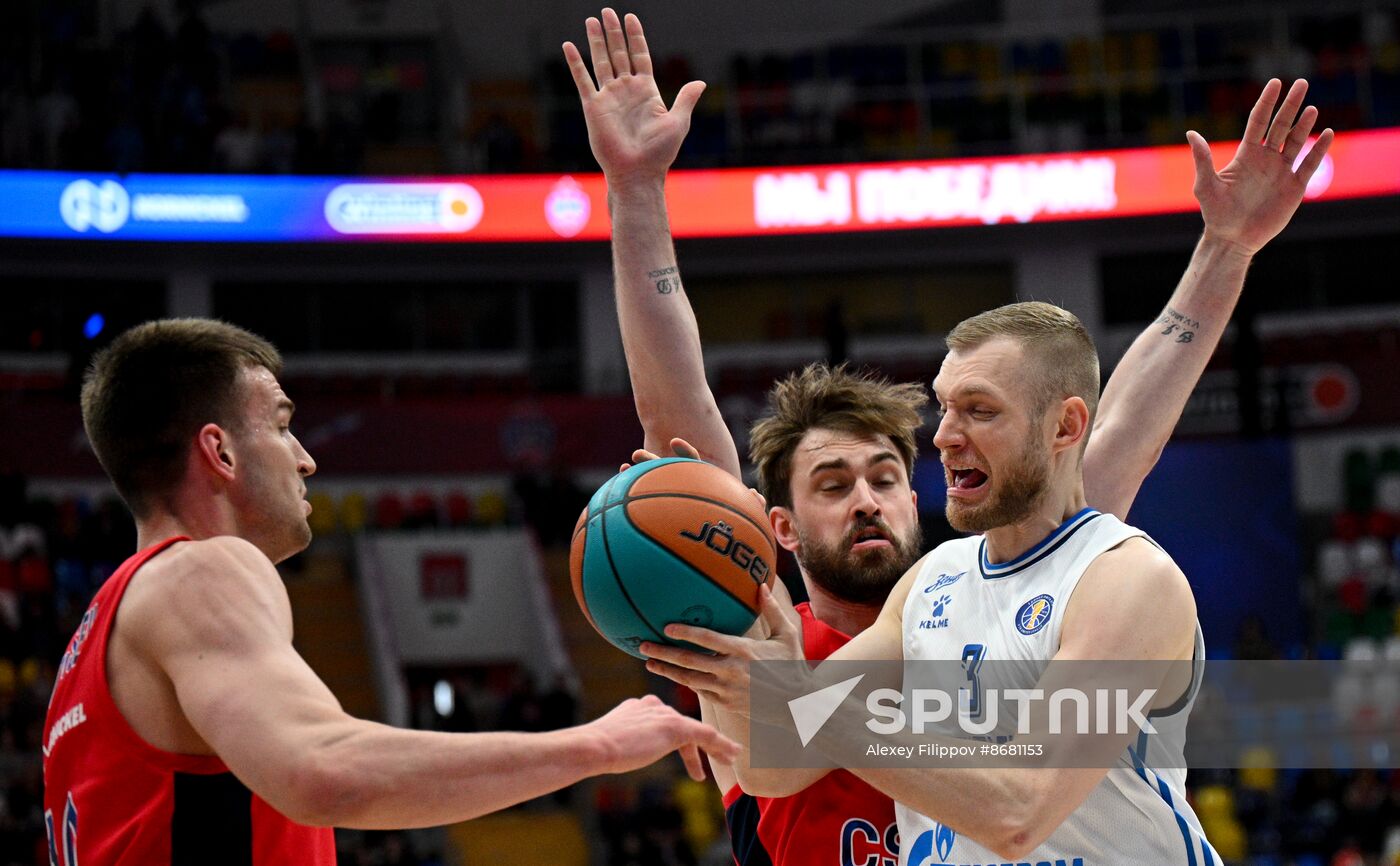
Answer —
(183, 727)
(835, 454)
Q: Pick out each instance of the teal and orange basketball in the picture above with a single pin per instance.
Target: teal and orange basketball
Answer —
(672, 540)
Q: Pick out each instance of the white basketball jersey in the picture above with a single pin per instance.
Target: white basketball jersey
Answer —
(963, 607)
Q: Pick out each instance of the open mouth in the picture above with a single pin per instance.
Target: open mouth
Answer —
(870, 537)
(966, 479)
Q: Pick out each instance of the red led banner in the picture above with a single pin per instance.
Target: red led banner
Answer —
(928, 194)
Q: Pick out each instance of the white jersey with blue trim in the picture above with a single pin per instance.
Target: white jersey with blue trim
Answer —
(961, 606)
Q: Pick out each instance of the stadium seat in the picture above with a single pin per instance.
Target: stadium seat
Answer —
(353, 512)
(1228, 838)
(322, 517)
(388, 511)
(1361, 649)
(1259, 769)
(1391, 652)
(422, 511)
(491, 508)
(1372, 560)
(1388, 493)
(1333, 563)
(9, 677)
(459, 509)
(29, 672)
(1214, 803)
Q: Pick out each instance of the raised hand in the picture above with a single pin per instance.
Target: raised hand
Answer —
(634, 137)
(639, 731)
(1250, 200)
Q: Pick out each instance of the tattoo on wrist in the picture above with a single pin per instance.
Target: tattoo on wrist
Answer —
(1175, 323)
(667, 280)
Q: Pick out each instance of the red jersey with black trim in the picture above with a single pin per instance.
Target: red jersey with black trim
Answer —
(837, 821)
(112, 799)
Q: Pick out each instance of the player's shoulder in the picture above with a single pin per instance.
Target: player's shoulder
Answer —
(1137, 566)
(225, 565)
(214, 586)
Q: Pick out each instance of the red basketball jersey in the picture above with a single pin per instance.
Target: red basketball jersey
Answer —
(111, 798)
(838, 821)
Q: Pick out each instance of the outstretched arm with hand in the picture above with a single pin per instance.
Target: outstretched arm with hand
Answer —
(635, 139)
(1244, 205)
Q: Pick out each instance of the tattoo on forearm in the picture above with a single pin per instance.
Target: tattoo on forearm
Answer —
(1175, 323)
(667, 280)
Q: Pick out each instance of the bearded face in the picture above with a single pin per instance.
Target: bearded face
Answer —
(853, 516)
(855, 570)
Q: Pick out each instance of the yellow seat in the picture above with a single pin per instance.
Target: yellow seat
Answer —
(491, 508)
(1228, 838)
(1215, 802)
(322, 519)
(353, 512)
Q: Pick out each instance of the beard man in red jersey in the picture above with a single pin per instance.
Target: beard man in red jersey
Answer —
(835, 455)
(184, 727)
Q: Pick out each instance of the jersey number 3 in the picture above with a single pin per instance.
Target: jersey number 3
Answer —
(70, 835)
(972, 656)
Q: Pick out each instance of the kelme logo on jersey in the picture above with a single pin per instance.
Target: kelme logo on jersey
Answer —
(944, 580)
(937, 619)
(1034, 614)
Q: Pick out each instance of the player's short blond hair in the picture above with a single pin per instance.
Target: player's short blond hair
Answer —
(1060, 355)
(831, 398)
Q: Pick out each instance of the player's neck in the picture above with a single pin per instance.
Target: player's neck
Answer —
(847, 617)
(204, 519)
(1005, 543)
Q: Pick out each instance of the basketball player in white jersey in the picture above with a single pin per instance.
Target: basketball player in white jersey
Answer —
(1046, 577)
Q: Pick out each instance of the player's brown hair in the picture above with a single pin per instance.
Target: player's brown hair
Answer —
(1059, 351)
(147, 394)
(830, 398)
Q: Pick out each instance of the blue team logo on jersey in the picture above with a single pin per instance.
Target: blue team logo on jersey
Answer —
(944, 580)
(937, 617)
(1034, 614)
(940, 837)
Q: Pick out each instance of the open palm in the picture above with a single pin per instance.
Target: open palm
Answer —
(1252, 198)
(633, 136)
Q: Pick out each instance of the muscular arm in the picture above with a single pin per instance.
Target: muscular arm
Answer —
(635, 139)
(1244, 205)
(1132, 604)
(1148, 390)
(223, 635)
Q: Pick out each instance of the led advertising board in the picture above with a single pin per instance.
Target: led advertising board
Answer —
(710, 203)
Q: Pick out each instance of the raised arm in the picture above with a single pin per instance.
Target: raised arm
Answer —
(635, 139)
(1244, 205)
(222, 632)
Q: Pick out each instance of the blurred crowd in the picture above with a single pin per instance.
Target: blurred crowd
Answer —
(178, 96)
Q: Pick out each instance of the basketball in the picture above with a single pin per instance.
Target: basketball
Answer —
(672, 540)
